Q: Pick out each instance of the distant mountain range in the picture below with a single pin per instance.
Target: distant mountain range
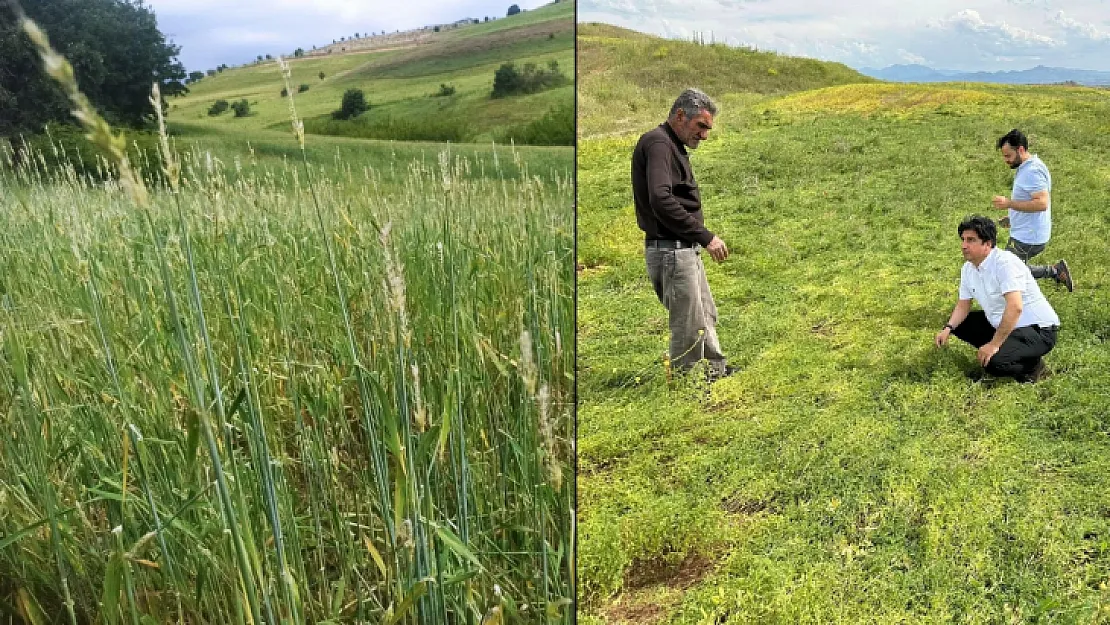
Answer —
(1039, 75)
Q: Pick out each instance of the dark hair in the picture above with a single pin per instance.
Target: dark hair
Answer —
(1015, 138)
(983, 226)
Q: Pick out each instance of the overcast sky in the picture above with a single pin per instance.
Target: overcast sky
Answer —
(211, 32)
(970, 35)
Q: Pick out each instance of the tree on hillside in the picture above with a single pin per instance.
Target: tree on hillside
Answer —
(298, 53)
(195, 76)
(116, 51)
(354, 104)
(513, 10)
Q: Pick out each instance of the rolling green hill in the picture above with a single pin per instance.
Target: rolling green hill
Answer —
(850, 473)
(626, 77)
(399, 84)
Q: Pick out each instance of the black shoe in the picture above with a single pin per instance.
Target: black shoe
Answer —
(1063, 275)
(1038, 373)
(720, 375)
(979, 375)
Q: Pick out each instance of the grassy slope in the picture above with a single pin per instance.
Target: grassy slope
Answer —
(850, 473)
(397, 83)
(626, 77)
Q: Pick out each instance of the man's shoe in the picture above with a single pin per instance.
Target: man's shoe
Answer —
(720, 375)
(979, 375)
(1063, 275)
(1038, 373)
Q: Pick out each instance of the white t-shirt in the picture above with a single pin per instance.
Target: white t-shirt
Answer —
(1031, 228)
(1000, 273)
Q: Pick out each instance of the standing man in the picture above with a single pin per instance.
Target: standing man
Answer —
(668, 210)
(1030, 206)
(1016, 325)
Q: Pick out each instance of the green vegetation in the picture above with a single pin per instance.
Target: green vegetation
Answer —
(114, 47)
(554, 128)
(399, 468)
(508, 80)
(264, 381)
(218, 107)
(354, 104)
(850, 473)
(242, 108)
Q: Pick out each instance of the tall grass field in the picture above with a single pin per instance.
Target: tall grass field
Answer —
(850, 472)
(329, 385)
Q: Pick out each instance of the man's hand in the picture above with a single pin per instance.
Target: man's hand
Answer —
(1004, 222)
(1001, 202)
(717, 249)
(941, 338)
(986, 352)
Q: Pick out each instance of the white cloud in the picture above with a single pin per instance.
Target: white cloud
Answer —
(1083, 30)
(910, 57)
(970, 35)
(969, 21)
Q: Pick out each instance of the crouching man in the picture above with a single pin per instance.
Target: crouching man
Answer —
(1017, 325)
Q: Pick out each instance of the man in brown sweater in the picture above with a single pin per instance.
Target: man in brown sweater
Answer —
(668, 210)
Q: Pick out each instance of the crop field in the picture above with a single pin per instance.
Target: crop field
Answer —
(322, 386)
(850, 472)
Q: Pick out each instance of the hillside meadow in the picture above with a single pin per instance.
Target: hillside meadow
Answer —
(850, 473)
(401, 83)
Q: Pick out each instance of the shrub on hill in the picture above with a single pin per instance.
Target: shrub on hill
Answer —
(556, 127)
(302, 88)
(509, 81)
(242, 108)
(284, 92)
(354, 104)
(219, 106)
(444, 90)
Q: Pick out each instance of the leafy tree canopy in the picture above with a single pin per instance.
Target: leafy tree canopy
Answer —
(116, 51)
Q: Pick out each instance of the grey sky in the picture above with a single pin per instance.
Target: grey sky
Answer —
(211, 32)
(970, 35)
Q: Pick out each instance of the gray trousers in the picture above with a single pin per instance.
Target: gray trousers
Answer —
(678, 277)
(1025, 251)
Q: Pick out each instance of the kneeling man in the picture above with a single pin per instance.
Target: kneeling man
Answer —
(1017, 325)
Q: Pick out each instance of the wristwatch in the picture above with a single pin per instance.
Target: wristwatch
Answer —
(950, 327)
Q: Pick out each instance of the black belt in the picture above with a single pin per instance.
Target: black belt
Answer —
(668, 244)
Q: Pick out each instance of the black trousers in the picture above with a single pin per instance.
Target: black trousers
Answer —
(1018, 355)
